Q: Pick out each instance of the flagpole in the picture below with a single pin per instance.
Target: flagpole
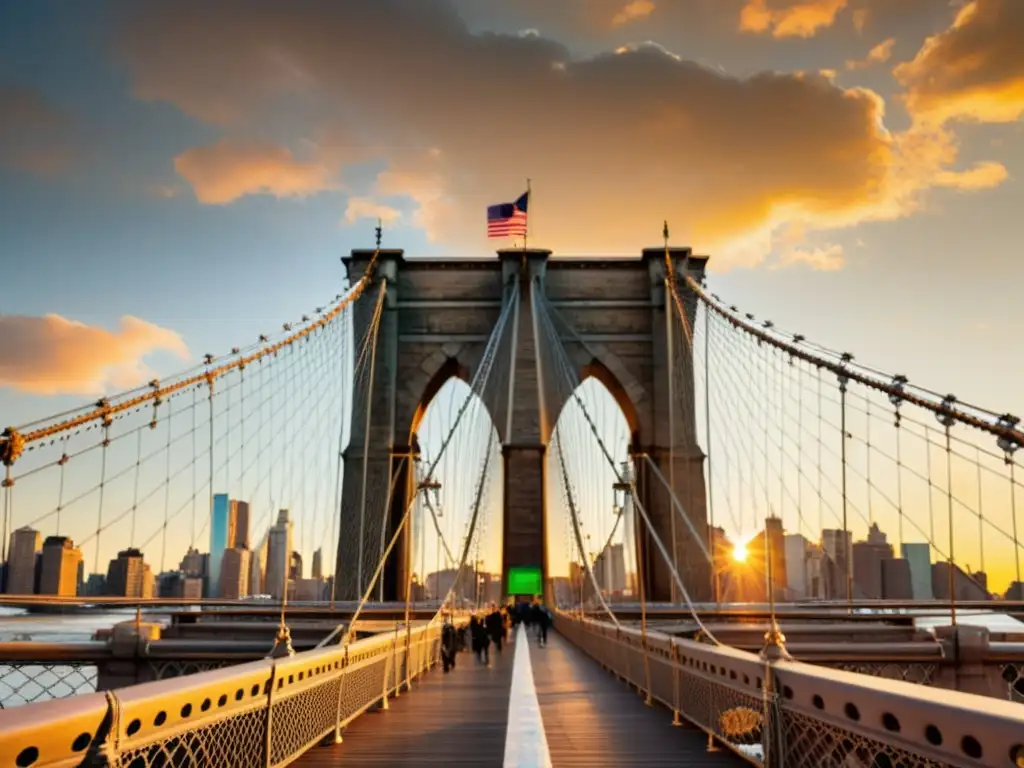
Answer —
(527, 213)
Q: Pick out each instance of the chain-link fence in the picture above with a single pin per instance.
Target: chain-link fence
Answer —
(263, 713)
(787, 713)
(28, 682)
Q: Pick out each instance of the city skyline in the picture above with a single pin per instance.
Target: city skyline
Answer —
(218, 172)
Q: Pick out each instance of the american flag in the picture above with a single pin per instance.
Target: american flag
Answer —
(507, 219)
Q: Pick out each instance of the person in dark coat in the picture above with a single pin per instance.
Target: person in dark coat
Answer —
(449, 644)
(481, 642)
(495, 624)
(542, 619)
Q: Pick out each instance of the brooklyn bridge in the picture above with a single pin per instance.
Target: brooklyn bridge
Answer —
(753, 548)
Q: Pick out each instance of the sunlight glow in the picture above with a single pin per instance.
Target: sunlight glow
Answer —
(739, 553)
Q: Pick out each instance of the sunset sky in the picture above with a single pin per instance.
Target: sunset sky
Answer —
(178, 177)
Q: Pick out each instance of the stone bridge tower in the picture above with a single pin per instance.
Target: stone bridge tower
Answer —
(436, 319)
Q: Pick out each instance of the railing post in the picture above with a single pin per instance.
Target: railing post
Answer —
(389, 660)
(397, 672)
(341, 691)
(676, 673)
(771, 718)
(267, 737)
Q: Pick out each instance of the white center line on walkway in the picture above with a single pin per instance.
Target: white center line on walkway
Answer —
(526, 743)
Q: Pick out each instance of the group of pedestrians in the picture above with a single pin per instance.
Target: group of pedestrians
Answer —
(492, 628)
(533, 615)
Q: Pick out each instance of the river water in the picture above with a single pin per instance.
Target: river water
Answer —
(25, 683)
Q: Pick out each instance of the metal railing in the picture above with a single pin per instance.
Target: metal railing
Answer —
(27, 683)
(262, 713)
(793, 714)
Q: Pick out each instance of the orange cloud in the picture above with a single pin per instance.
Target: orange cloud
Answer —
(34, 136)
(637, 9)
(829, 258)
(983, 175)
(726, 160)
(51, 355)
(228, 170)
(368, 208)
(972, 71)
(880, 54)
(793, 18)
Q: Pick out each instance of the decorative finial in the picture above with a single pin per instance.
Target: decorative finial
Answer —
(664, 233)
(379, 231)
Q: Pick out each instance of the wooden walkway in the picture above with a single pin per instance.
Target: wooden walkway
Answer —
(590, 717)
(594, 720)
(454, 719)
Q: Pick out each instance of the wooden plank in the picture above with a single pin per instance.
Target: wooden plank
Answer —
(454, 719)
(593, 719)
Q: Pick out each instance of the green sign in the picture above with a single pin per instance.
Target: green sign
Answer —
(525, 580)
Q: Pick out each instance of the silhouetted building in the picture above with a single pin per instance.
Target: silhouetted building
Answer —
(95, 585)
(295, 567)
(318, 564)
(180, 585)
(61, 563)
(234, 574)
(966, 588)
(838, 548)
(129, 576)
(21, 561)
(868, 557)
(896, 580)
(193, 563)
(309, 590)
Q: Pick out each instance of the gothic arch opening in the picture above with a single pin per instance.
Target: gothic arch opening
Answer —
(577, 466)
(443, 511)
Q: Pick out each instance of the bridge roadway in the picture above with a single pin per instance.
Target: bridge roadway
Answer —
(582, 716)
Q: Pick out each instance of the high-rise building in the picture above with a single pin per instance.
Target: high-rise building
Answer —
(239, 520)
(234, 574)
(838, 545)
(220, 531)
(61, 563)
(193, 563)
(258, 567)
(610, 569)
(179, 584)
(129, 576)
(21, 561)
(868, 559)
(965, 585)
(295, 571)
(896, 583)
(796, 547)
(318, 564)
(279, 556)
(918, 554)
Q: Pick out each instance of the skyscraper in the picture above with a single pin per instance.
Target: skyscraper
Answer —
(220, 525)
(918, 554)
(21, 562)
(234, 574)
(129, 576)
(60, 567)
(318, 564)
(279, 556)
(240, 524)
(258, 567)
(838, 548)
